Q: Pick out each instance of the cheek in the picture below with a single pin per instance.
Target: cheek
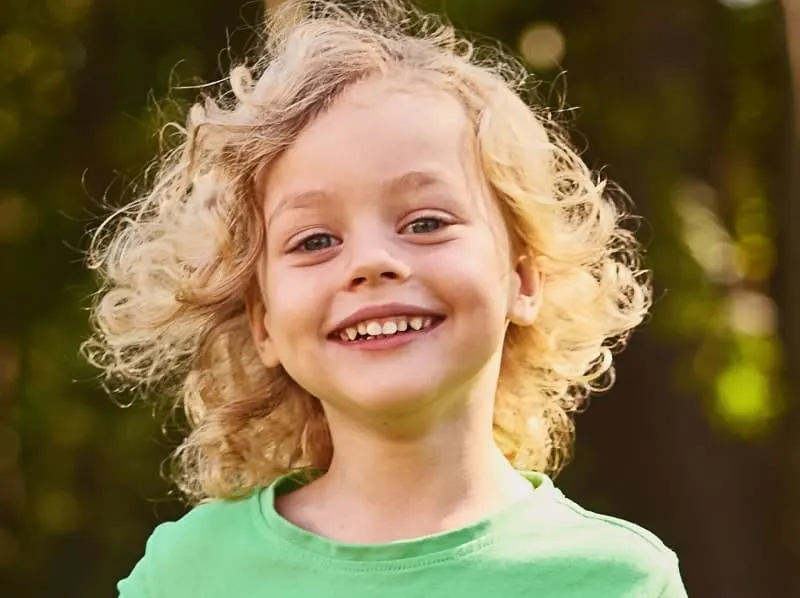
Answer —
(293, 304)
(475, 279)
(489, 256)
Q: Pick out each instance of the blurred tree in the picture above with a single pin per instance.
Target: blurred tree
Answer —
(787, 291)
(79, 479)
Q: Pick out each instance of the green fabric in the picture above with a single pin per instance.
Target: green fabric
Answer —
(545, 546)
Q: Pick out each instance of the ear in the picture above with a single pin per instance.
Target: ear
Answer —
(259, 331)
(525, 296)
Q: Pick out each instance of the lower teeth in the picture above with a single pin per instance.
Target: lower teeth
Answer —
(372, 338)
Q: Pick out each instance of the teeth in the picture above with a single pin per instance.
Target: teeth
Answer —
(374, 328)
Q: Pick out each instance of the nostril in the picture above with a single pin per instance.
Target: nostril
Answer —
(359, 280)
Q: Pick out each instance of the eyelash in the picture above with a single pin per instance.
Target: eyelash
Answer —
(299, 246)
(441, 223)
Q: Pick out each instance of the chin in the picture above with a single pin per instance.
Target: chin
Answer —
(390, 399)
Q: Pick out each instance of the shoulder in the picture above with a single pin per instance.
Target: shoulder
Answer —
(622, 532)
(562, 517)
(614, 544)
(211, 518)
(176, 550)
(217, 520)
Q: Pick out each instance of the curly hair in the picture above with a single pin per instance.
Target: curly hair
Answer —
(177, 265)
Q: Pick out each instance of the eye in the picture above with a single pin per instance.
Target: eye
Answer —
(315, 242)
(427, 224)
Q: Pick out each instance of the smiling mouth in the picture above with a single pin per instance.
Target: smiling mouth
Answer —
(382, 329)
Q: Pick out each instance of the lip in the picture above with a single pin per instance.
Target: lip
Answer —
(386, 310)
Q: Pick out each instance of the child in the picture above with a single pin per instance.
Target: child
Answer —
(380, 285)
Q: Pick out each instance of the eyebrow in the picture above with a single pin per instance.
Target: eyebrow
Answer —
(298, 201)
(408, 181)
(413, 180)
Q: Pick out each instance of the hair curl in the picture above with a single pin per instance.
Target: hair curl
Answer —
(178, 263)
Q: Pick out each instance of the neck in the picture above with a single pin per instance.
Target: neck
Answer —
(428, 487)
(380, 488)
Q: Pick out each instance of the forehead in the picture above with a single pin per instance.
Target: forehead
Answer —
(376, 132)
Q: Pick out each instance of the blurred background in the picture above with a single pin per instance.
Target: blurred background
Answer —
(687, 104)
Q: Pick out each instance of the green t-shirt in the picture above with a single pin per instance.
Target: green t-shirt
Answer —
(543, 546)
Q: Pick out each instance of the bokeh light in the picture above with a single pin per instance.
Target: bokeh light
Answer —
(68, 12)
(17, 54)
(742, 3)
(752, 312)
(542, 45)
(704, 234)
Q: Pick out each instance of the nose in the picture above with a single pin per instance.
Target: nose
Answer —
(376, 265)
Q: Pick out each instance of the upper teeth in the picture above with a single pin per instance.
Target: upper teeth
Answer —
(384, 327)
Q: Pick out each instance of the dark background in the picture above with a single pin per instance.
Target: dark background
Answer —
(687, 104)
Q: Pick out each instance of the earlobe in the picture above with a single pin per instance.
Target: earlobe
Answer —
(527, 300)
(257, 320)
(525, 310)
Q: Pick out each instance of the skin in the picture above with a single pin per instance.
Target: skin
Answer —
(381, 200)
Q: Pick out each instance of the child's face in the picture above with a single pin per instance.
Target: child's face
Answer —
(379, 204)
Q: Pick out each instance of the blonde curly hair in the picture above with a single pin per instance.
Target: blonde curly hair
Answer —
(178, 264)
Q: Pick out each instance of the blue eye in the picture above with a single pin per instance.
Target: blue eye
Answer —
(315, 242)
(425, 225)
